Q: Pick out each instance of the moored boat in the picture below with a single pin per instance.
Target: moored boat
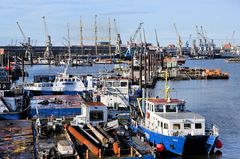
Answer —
(61, 84)
(167, 124)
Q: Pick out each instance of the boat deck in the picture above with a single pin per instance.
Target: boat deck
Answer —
(56, 101)
(16, 139)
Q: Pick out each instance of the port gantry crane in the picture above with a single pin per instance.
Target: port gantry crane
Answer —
(26, 44)
(179, 41)
(48, 54)
(206, 46)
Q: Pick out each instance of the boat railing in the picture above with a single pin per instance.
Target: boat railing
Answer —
(213, 130)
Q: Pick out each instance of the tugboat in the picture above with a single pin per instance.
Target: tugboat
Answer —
(173, 129)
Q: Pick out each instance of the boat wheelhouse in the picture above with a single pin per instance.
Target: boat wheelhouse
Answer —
(92, 112)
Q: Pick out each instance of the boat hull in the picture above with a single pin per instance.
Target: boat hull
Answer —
(180, 145)
(15, 115)
(56, 112)
(43, 92)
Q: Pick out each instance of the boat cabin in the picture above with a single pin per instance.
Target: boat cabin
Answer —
(169, 117)
(92, 112)
(116, 85)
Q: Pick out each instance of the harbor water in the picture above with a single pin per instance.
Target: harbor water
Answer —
(217, 100)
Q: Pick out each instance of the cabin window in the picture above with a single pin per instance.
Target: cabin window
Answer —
(187, 126)
(65, 80)
(108, 84)
(170, 108)
(69, 80)
(123, 84)
(198, 126)
(51, 85)
(61, 80)
(165, 126)
(161, 124)
(176, 126)
(78, 80)
(40, 85)
(158, 108)
(73, 80)
(116, 84)
(96, 115)
(181, 108)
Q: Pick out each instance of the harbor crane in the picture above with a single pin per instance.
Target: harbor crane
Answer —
(136, 32)
(158, 46)
(118, 39)
(26, 44)
(206, 46)
(130, 51)
(179, 41)
(48, 54)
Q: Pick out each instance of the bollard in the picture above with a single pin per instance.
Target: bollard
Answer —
(119, 152)
(86, 154)
(100, 153)
(131, 151)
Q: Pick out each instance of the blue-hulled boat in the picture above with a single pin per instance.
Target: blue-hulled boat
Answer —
(171, 128)
(58, 106)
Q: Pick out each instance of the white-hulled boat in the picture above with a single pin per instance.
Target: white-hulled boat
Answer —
(61, 84)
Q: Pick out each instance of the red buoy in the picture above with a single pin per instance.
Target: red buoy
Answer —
(218, 144)
(160, 147)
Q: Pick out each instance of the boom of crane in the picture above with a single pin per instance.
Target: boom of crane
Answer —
(26, 44)
(179, 41)
(48, 54)
(131, 49)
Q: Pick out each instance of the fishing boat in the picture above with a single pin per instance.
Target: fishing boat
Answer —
(173, 129)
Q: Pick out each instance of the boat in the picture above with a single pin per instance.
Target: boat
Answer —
(57, 106)
(13, 105)
(173, 129)
(60, 84)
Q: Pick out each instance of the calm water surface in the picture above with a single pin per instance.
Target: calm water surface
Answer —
(217, 100)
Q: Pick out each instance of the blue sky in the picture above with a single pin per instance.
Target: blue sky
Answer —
(218, 17)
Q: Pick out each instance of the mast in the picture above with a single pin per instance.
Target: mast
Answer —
(95, 35)
(69, 50)
(167, 96)
(109, 38)
(81, 35)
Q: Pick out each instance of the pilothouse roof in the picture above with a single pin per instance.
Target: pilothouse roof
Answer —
(164, 101)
